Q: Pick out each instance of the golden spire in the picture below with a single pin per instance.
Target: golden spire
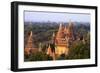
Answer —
(65, 29)
(60, 27)
(30, 36)
(31, 33)
(53, 34)
(49, 50)
(70, 24)
(49, 46)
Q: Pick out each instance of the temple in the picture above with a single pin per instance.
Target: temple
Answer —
(61, 40)
(29, 46)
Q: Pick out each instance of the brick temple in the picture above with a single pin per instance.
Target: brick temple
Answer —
(61, 40)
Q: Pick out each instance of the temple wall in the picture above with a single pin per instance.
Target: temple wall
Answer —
(61, 50)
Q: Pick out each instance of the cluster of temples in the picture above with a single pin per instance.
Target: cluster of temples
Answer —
(59, 44)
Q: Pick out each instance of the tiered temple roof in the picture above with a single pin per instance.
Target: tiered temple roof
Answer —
(64, 33)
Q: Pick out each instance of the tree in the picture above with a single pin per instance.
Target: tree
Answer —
(79, 51)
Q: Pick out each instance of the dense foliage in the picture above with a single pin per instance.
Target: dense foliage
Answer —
(38, 56)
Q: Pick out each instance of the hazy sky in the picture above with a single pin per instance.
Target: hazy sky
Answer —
(55, 17)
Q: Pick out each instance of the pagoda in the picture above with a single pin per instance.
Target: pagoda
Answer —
(29, 45)
(62, 40)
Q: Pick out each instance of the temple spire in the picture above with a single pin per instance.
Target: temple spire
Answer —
(70, 25)
(60, 31)
(60, 27)
(53, 34)
(29, 45)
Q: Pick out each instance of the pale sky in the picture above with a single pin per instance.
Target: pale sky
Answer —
(55, 17)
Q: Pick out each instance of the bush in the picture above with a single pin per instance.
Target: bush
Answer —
(61, 57)
(39, 56)
(80, 51)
